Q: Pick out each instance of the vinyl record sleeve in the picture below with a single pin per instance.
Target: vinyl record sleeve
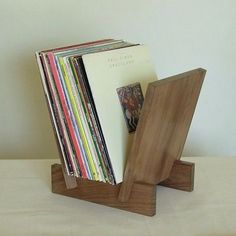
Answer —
(106, 72)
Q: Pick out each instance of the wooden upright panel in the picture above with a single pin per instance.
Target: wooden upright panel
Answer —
(162, 129)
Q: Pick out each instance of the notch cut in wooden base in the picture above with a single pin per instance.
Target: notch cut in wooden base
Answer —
(143, 196)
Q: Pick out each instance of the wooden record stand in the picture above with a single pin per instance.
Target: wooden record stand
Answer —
(155, 153)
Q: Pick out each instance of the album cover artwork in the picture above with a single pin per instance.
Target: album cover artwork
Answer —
(131, 100)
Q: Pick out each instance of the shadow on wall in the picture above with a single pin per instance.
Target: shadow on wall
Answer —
(27, 129)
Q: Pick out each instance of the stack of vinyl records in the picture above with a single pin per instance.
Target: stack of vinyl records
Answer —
(95, 93)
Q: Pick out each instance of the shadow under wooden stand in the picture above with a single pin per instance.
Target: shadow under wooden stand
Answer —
(155, 154)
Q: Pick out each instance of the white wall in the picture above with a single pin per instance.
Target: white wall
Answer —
(181, 35)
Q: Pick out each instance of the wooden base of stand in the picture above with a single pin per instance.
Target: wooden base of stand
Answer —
(143, 196)
(142, 199)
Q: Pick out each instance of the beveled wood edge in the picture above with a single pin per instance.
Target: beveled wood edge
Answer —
(184, 75)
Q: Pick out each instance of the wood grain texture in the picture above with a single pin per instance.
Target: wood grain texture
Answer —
(181, 176)
(142, 199)
(162, 129)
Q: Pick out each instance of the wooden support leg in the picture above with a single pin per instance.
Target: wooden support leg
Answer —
(181, 176)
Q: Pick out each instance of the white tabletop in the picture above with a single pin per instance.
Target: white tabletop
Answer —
(27, 206)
